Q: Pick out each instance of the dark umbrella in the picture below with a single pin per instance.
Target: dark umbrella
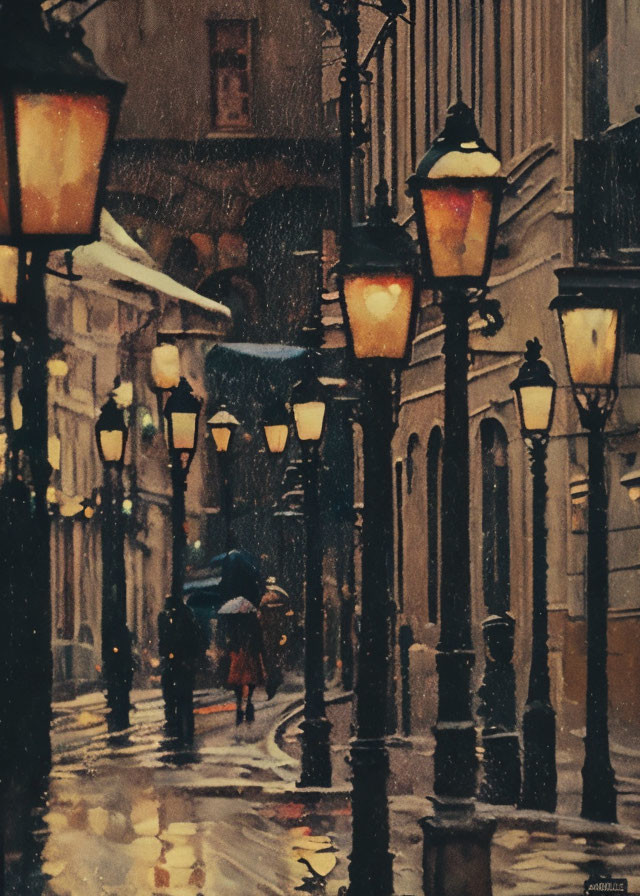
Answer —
(240, 575)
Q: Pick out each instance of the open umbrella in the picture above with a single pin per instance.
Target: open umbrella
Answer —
(240, 575)
(236, 607)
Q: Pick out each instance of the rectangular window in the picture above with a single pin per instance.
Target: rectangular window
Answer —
(231, 75)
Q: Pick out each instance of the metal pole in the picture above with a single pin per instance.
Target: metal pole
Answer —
(116, 639)
(176, 627)
(540, 780)
(455, 829)
(35, 332)
(455, 761)
(598, 779)
(316, 756)
(226, 498)
(371, 865)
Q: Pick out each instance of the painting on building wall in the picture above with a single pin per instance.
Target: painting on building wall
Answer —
(319, 448)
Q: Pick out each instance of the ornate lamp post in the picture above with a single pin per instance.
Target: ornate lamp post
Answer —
(535, 391)
(59, 113)
(309, 403)
(111, 438)
(456, 193)
(589, 322)
(223, 425)
(378, 287)
(177, 631)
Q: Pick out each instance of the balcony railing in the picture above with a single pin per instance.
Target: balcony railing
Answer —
(607, 196)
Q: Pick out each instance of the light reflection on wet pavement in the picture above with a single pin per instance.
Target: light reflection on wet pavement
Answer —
(130, 815)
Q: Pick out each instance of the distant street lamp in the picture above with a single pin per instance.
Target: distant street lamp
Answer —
(111, 438)
(378, 287)
(223, 425)
(275, 423)
(589, 323)
(309, 403)
(535, 391)
(59, 117)
(178, 641)
(456, 193)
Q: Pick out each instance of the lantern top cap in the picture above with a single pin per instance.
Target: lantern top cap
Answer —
(459, 150)
(534, 371)
(223, 418)
(181, 400)
(53, 58)
(275, 414)
(631, 479)
(111, 416)
(380, 244)
(308, 390)
(597, 298)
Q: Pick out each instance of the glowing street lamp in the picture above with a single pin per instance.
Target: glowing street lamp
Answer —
(111, 433)
(182, 411)
(378, 274)
(275, 423)
(535, 390)
(223, 425)
(59, 116)
(309, 403)
(111, 440)
(588, 311)
(457, 193)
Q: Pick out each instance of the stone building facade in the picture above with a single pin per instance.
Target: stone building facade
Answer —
(106, 323)
(550, 85)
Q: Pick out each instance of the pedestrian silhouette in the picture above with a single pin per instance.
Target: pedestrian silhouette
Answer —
(180, 645)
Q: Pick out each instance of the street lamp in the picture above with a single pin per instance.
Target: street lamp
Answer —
(456, 192)
(176, 627)
(309, 403)
(535, 391)
(111, 439)
(378, 287)
(59, 115)
(589, 323)
(275, 423)
(223, 426)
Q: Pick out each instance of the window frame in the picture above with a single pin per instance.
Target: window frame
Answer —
(215, 127)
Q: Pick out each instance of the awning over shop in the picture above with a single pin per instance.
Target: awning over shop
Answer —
(117, 260)
(251, 376)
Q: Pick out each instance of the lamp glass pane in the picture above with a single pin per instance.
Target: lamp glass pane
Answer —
(53, 452)
(458, 221)
(276, 436)
(222, 437)
(8, 275)
(590, 336)
(111, 443)
(183, 431)
(61, 141)
(309, 419)
(165, 366)
(379, 310)
(535, 402)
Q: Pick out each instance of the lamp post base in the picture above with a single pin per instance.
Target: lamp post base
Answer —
(598, 791)
(539, 776)
(501, 764)
(316, 753)
(456, 859)
(455, 762)
(371, 863)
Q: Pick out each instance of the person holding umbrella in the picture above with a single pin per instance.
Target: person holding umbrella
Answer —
(244, 655)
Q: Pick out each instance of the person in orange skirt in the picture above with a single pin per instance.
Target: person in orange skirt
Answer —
(245, 657)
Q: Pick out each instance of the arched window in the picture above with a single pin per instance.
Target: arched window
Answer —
(434, 492)
(495, 516)
(412, 447)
